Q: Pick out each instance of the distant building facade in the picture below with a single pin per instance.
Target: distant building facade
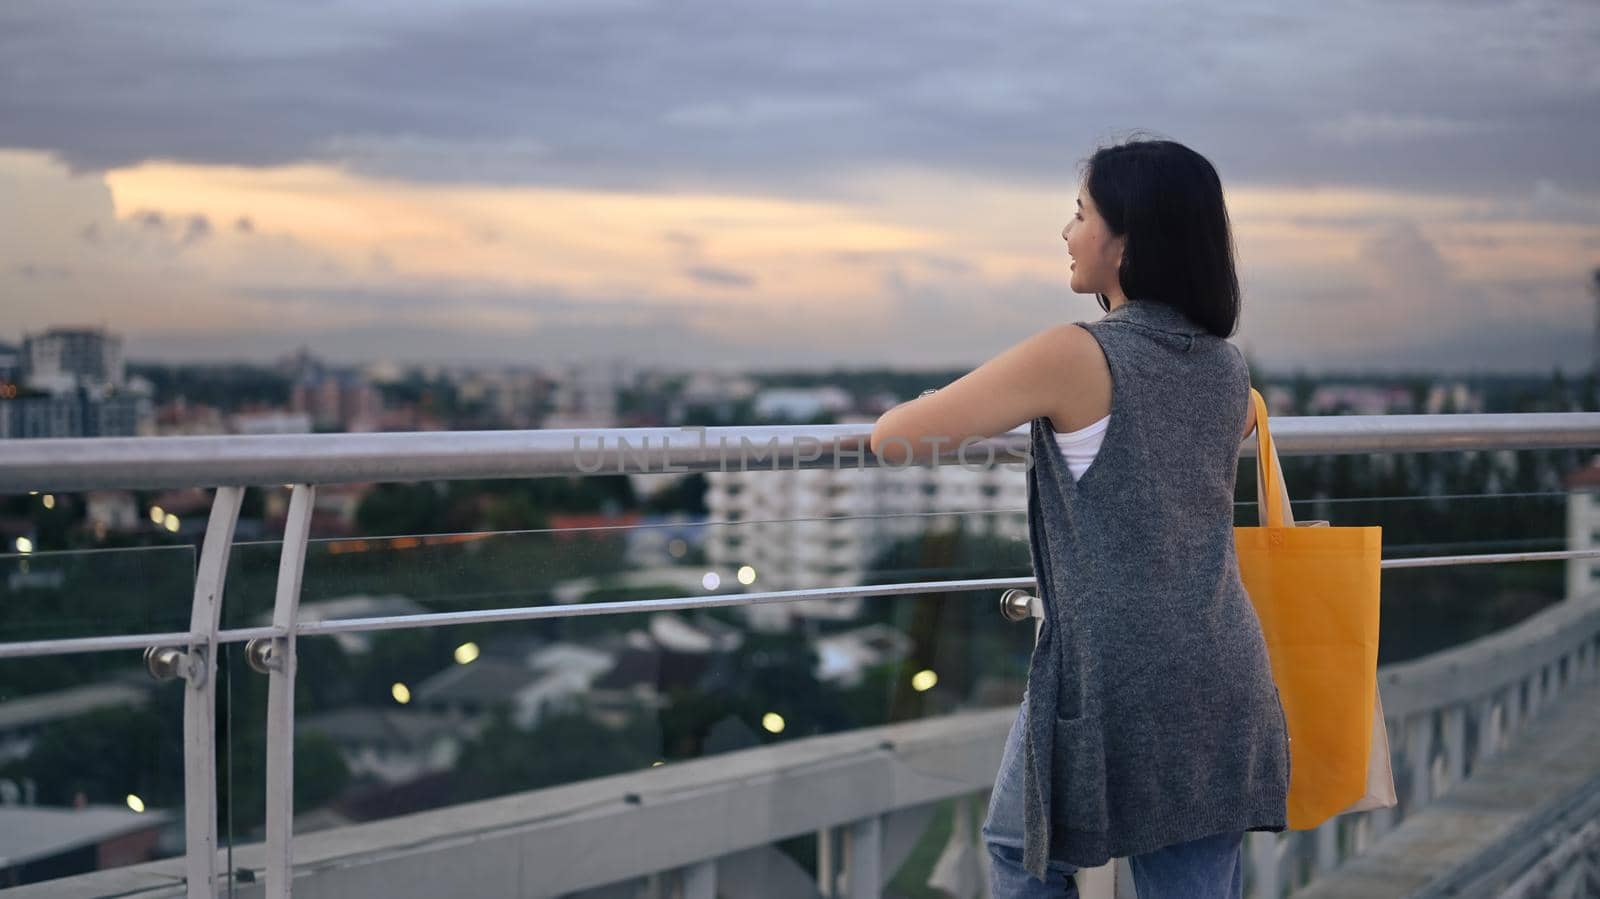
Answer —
(824, 527)
(1583, 528)
(88, 354)
(69, 382)
(587, 396)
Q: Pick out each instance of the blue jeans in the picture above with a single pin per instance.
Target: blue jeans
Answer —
(1208, 868)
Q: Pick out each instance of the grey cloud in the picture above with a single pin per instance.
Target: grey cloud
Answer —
(1553, 202)
(782, 97)
(682, 241)
(147, 231)
(689, 248)
(196, 229)
(1522, 325)
(799, 98)
(1354, 222)
(569, 328)
(934, 262)
(713, 276)
(1401, 263)
(1405, 259)
(1508, 345)
(643, 344)
(1383, 127)
(549, 303)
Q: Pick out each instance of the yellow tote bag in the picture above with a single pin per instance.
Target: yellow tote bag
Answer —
(1315, 590)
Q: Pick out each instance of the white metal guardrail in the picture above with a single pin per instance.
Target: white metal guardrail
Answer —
(65, 465)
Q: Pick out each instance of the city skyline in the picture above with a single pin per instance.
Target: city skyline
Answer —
(791, 188)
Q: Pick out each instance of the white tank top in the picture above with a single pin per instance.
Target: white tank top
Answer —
(1079, 447)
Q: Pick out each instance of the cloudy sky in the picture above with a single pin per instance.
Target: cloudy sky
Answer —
(1413, 183)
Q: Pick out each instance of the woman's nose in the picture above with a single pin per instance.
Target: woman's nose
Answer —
(1064, 230)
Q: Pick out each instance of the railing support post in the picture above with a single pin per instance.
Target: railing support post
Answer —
(1264, 864)
(1382, 822)
(864, 858)
(281, 664)
(1489, 727)
(827, 870)
(1455, 745)
(200, 698)
(1327, 846)
(1517, 708)
(1419, 755)
(700, 880)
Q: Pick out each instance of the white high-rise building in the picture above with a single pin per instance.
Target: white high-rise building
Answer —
(91, 355)
(823, 527)
(73, 384)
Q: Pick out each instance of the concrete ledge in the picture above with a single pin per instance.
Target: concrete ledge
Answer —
(1458, 675)
(601, 831)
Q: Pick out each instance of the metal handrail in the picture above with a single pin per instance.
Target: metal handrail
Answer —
(68, 464)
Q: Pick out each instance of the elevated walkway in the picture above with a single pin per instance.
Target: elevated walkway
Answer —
(1485, 834)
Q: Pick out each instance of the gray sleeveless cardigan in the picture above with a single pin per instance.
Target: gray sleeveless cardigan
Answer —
(1153, 717)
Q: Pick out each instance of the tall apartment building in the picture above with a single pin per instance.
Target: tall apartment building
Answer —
(823, 527)
(337, 401)
(72, 384)
(92, 355)
(10, 363)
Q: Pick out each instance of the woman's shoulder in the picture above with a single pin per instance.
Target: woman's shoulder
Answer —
(1065, 348)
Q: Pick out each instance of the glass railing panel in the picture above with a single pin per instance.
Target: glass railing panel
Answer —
(397, 722)
(402, 722)
(598, 558)
(91, 748)
(70, 594)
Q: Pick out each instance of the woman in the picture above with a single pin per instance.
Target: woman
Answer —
(1151, 728)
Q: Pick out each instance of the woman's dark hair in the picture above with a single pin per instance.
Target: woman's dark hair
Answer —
(1166, 200)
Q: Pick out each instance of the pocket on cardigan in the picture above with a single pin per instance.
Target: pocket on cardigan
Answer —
(1078, 775)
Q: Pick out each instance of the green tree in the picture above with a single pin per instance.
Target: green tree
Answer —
(687, 495)
(402, 509)
(108, 754)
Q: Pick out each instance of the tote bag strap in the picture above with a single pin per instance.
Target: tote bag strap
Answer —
(1271, 497)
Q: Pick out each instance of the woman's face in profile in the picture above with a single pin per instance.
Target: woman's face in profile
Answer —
(1096, 253)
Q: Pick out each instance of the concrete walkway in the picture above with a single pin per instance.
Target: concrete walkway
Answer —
(1474, 839)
